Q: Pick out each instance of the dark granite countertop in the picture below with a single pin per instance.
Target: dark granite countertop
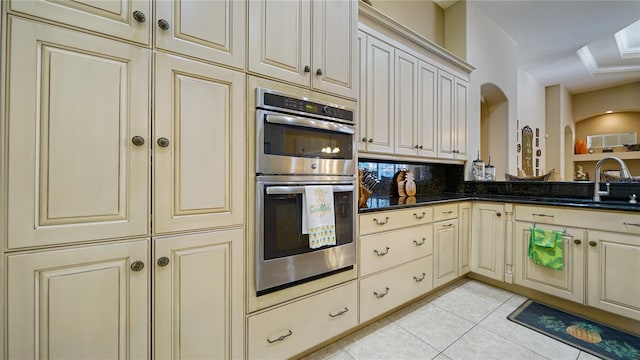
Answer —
(383, 202)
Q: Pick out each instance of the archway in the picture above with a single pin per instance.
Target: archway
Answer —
(494, 128)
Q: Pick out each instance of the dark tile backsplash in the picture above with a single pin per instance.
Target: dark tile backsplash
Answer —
(430, 179)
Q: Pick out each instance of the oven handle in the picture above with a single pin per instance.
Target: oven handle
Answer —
(311, 123)
(280, 190)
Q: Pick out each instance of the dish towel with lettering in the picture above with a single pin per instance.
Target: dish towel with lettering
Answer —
(545, 248)
(318, 217)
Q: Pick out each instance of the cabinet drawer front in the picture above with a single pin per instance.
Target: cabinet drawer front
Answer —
(282, 332)
(390, 220)
(385, 291)
(445, 212)
(618, 221)
(388, 249)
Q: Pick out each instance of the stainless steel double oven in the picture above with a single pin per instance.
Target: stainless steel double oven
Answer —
(301, 142)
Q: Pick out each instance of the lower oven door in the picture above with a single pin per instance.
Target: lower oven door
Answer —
(283, 255)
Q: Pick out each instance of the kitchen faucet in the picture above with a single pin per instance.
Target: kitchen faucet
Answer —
(624, 173)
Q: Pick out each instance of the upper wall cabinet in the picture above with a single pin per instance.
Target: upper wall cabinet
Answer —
(313, 44)
(124, 19)
(208, 30)
(415, 103)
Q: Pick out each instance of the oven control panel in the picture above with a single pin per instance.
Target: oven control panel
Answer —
(306, 106)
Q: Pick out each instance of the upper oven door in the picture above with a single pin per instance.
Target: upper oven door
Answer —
(288, 144)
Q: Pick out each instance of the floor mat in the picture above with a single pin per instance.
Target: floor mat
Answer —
(586, 335)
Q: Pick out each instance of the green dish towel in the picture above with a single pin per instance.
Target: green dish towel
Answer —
(545, 248)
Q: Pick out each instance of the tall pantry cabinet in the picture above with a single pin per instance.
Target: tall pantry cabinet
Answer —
(122, 179)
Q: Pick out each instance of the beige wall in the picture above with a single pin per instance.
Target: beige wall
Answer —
(422, 16)
(616, 98)
(559, 130)
(608, 124)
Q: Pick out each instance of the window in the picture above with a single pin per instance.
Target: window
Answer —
(611, 140)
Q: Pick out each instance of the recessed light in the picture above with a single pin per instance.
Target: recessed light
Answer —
(609, 111)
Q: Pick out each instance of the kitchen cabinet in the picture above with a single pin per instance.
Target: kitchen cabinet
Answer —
(415, 107)
(127, 20)
(198, 294)
(452, 114)
(396, 258)
(199, 168)
(567, 283)
(487, 239)
(361, 129)
(613, 272)
(377, 130)
(445, 240)
(281, 332)
(601, 257)
(79, 302)
(464, 238)
(81, 185)
(77, 173)
(211, 31)
(297, 42)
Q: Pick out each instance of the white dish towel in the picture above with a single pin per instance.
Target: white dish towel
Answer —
(318, 217)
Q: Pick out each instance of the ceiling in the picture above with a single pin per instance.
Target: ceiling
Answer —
(551, 33)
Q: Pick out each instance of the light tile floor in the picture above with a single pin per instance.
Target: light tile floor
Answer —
(466, 320)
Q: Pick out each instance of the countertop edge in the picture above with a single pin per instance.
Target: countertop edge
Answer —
(564, 202)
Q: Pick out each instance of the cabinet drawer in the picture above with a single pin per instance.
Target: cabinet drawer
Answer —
(391, 248)
(387, 290)
(282, 333)
(445, 212)
(396, 219)
(618, 221)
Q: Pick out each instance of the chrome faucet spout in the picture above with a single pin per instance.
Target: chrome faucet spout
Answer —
(624, 173)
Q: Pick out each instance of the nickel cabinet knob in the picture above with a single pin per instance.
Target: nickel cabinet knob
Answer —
(139, 16)
(137, 140)
(163, 261)
(137, 266)
(163, 24)
(163, 142)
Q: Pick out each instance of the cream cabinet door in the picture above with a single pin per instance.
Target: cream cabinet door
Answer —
(80, 106)
(568, 283)
(427, 129)
(461, 118)
(487, 240)
(380, 96)
(446, 116)
(208, 30)
(445, 242)
(406, 103)
(79, 303)
(614, 273)
(198, 296)
(124, 19)
(362, 92)
(279, 39)
(199, 149)
(464, 238)
(334, 51)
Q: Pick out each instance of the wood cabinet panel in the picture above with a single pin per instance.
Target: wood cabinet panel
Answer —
(208, 30)
(198, 295)
(487, 240)
(76, 175)
(200, 177)
(113, 18)
(445, 263)
(388, 249)
(395, 219)
(387, 290)
(282, 333)
(79, 303)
